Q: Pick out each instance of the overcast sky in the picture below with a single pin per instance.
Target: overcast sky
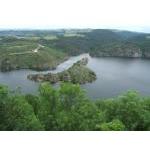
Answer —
(52, 14)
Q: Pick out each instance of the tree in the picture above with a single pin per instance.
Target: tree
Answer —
(16, 113)
(87, 116)
(3, 100)
(68, 108)
(49, 106)
(19, 115)
(115, 125)
(78, 112)
(70, 95)
(128, 109)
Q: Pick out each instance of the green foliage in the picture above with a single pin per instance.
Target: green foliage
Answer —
(70, 95)
(115, 125)
(81, 74)
(3, 92)
(128, 108)
(49, 105)
(87, 116)
(68, 108)
(17, 114)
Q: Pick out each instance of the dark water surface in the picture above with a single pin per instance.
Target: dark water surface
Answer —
(114, 76)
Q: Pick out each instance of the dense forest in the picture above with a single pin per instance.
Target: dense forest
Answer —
(68, 108)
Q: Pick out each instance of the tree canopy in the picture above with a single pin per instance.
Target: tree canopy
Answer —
(68, 108)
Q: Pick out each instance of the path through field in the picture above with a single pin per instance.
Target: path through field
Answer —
(28, 52)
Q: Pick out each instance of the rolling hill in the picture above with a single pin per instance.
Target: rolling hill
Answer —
(28, 54)
(18, 49)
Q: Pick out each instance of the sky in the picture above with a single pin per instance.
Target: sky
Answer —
(53, 14)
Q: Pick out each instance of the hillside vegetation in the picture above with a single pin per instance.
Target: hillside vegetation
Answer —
(17, 47)
(68, 108)
(27, 54)
(105, 43)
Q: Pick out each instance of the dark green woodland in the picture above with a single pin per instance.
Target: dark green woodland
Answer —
(69, 109)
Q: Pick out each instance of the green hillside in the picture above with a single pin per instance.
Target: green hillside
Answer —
(26, 53)
(102, 42)
(17, 47)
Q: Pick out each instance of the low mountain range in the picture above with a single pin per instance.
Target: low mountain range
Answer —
(20, 48)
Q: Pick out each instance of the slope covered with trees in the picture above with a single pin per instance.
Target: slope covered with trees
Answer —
(102, 42)
(68, 108)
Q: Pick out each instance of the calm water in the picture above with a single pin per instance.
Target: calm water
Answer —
(114, 76)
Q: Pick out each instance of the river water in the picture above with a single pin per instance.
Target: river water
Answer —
(114, 76)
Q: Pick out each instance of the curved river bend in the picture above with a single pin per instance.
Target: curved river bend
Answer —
(114, 76)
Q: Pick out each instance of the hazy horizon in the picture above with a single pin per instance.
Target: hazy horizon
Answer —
(55, 29)
(75, 14)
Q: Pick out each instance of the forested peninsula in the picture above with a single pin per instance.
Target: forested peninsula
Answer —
(78, 73)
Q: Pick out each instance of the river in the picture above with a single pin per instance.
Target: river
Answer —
(114, 76)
